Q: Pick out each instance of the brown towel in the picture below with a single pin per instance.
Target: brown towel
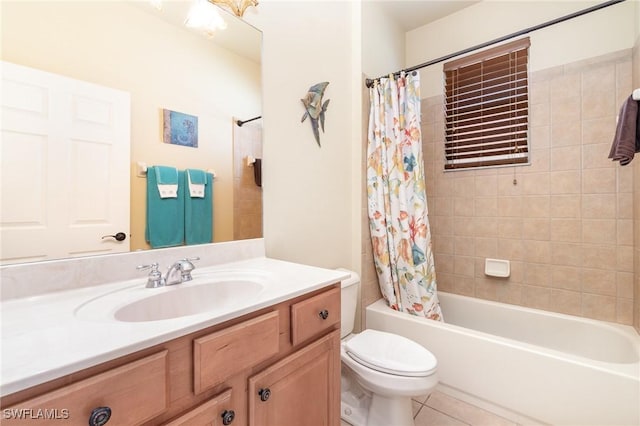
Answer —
(627, 139)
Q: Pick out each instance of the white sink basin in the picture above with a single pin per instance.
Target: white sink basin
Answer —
(209, 293)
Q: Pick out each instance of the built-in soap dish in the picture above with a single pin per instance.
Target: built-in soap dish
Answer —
(497, 268)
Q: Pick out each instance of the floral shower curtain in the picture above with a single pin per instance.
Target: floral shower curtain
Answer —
(397, 199)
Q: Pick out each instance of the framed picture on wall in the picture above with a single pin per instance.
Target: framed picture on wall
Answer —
(179, 128)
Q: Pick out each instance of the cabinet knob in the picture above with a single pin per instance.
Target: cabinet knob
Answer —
(264, 393)
(228, 416)
(324, 314)
(99, 416)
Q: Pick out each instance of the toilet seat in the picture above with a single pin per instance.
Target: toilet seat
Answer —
(390, 353)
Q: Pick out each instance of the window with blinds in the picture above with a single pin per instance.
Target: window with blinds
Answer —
(487, 108)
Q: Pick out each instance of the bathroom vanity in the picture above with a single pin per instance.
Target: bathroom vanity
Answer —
(274, 360)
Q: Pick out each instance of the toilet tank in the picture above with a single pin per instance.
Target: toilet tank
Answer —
(348, 302)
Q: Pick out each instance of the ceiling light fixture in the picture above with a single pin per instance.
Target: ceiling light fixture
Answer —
(236, 6)
(205, 16)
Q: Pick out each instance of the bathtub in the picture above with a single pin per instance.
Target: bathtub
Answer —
(549, 367)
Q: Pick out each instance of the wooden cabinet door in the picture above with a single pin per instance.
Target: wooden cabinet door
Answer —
(303, 389)
(215, 412)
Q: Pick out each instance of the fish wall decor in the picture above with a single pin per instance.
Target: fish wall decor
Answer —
(315, 108)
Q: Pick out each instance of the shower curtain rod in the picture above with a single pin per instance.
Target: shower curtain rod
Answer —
(240, 122)
(369, 82)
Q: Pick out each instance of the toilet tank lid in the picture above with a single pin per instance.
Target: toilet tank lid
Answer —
(353, 279)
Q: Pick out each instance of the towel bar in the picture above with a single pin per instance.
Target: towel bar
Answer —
(636, 95)
(141, 170)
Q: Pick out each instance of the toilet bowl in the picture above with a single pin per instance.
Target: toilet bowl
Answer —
(380, 371)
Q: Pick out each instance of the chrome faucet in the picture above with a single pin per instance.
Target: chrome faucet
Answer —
(180, 271)
(177, 273)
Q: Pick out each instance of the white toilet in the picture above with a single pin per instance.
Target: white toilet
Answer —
(380, 371)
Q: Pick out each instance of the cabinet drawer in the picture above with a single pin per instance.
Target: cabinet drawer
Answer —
(315, 315)
(134, 393)
(215, 412)
(222, 354)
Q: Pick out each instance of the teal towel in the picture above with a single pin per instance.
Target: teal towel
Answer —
(199, 177)
(165, 216)
(199, 211)
(165, 175)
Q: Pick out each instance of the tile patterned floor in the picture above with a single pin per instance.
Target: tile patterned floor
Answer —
(440, 409)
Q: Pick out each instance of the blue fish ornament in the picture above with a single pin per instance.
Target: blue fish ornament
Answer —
(315, 108)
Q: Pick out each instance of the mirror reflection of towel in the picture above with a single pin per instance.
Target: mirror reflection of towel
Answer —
(196, 181)
(257, 171)
(198, 211)
(627, 139)
(165, 216)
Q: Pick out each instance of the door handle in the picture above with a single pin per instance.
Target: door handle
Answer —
(120, 236)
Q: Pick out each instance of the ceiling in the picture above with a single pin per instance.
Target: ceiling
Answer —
(411, 14)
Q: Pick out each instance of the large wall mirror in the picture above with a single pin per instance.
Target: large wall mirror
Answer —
(133, 47)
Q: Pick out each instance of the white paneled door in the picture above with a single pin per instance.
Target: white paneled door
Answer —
(64, 171)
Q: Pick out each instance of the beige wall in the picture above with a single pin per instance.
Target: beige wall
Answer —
(595, 34)
(307, 189)
(122, 46)
(636, 185)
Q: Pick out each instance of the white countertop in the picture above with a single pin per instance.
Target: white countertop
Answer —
(43, 339)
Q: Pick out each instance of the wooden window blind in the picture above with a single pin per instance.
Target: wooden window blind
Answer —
(487, 107)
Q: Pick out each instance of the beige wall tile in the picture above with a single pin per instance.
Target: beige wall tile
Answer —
(596, 156)
(486, 207)
(540, 115)
(464, 246)
(599, 181)
(486, 247)
(536, 206)
(599, 206)
(566, 158)
(566, 206)
(566, 254)
(565, 182)
(464, 266)
(597, 256)
(534, 183)
(510, 227)
(625, 232)
(567, 230)
(599, 281)
(566, 133)
(510, 249)
(510, 207)
(599, 130)
(486, 227)
(624, 311)
(537, 274)
(540, 137)
(624, 285)
(565, 110)
(566, 302)
(463, 206)
(537, 251)
(599, 307)
(598, 92)
(536, 229)
(599, 231)
(566, 277)
(536, 297)
(486, 186)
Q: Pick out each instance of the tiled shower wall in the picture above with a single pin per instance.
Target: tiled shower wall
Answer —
(565, 222)
(247, 196)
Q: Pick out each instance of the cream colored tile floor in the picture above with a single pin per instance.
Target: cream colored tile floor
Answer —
(440, 409)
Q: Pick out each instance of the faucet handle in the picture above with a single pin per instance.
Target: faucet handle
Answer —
(186, 267)
(155, 277)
